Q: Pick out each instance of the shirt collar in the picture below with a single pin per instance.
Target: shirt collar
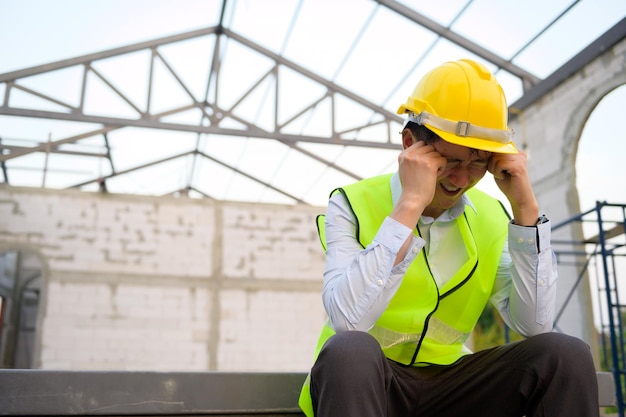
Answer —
(450, 214)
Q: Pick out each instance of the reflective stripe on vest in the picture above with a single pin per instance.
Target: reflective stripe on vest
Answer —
(437, 331)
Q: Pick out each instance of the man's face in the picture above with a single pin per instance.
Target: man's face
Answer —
(465, 168)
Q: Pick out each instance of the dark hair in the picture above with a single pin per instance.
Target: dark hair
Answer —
(422, 133)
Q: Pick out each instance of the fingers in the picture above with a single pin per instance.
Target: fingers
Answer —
(419, 168)
(511, 175)
(424, 155)
(496, 169)
(504, 166)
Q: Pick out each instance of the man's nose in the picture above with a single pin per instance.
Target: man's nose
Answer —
(460, 176)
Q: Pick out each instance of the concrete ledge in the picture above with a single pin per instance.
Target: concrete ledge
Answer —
(606, 389)
(63, 393)
(121, 393)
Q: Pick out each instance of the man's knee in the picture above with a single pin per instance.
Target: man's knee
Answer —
(564, 352)
(350, 348)
(351, 345)
(560, 344)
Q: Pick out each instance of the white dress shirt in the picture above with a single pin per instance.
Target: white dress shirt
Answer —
(359, 283)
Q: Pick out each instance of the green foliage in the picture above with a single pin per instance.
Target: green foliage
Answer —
(490, 331)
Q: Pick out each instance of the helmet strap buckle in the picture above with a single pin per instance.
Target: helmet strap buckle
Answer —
(462, 129)
(418, 118)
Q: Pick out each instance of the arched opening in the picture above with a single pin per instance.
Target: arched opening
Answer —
(600, 160)
(600, 173)
(21, 279)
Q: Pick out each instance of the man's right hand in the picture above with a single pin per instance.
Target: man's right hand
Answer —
(419, 166)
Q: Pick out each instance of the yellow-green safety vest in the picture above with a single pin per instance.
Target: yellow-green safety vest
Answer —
(434, 330)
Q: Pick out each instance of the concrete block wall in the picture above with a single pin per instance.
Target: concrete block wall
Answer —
(261, 243)
(109, 234)
(159, 283)
(100, 326)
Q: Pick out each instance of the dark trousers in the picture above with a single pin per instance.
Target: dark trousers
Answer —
(546, 375)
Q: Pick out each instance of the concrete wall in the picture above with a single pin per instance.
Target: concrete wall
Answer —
(551, 128)
(142, 283)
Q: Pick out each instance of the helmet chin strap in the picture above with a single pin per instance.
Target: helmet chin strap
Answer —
(462, 129)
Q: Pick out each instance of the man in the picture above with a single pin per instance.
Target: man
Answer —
(413, 258)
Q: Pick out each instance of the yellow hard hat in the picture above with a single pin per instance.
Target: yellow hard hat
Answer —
(463, 103)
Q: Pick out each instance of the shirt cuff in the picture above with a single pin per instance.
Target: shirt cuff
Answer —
(533, 239)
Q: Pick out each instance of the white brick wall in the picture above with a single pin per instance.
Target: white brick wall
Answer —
(274, 330)
(131, 327)
(144, 283)
(112, 234)
(261, 244)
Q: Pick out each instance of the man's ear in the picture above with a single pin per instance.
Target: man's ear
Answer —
(408, 138)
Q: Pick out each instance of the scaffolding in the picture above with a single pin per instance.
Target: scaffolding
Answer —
(597, 247)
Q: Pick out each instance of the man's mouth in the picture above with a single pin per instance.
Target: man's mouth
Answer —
(450, 190)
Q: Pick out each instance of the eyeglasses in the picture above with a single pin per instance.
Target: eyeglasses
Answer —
(474, 165)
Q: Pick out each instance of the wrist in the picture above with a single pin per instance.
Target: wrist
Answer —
(528, 218)
(407, 212)
(525, 214)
